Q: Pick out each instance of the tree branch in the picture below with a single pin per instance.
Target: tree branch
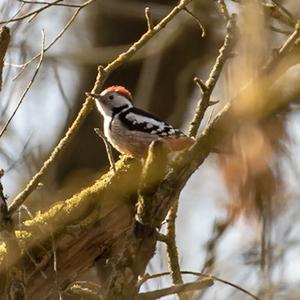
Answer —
(89, 225)
(27, 87)
(4, 41)
(172, 251)
(176, 289)
(200, 274)
(209, 86)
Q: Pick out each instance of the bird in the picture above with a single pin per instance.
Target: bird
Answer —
(131, 130)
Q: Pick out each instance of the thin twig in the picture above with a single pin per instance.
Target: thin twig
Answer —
(285, 10)
(88, 104)
(276, 13)
(45, 2)
(215, 278)
(149, 19)
(279, 30)
(285, 48)
(55, 265)
(172, 250)
(197, 20)
(223, 9)
(27, 88)
(59, 35)
(211, 245)
(18, 11)
(36, 264)
(107, 148)
(208, 87)
(29, 14)
(178, 288)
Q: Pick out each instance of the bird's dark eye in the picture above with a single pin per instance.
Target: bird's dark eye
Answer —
(110, 97)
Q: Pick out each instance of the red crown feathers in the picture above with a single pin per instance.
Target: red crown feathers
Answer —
(120, 90)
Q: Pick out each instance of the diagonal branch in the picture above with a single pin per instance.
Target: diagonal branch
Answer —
(37, 11)
(176, 289)
(208, 87)
(200, 274)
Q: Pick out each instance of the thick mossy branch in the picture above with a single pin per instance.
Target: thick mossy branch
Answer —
(83, 228)
(91, 204)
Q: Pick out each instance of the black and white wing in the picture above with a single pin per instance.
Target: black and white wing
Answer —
(138, 120)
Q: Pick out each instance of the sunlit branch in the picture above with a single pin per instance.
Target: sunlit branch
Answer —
(47, 3)
(223, 9)
(149, 19)
(215, 278)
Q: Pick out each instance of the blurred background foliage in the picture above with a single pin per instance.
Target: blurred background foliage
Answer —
(238, 215)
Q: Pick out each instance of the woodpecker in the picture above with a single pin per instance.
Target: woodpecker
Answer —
(131, 130)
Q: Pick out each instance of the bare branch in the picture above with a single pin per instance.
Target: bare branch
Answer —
(172, 251)
(215, 278)
(208, 87)
(149, 19)
(60, 34)
(52, 4)
(30, 14)
(107, 147)
(201, 85)
(179, 288)
(27, 88)
(284, 49)
(4, 41)
(223, 9)
(197, 20)
(286, 11)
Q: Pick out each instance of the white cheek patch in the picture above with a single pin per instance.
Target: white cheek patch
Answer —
(99, 107)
